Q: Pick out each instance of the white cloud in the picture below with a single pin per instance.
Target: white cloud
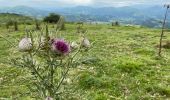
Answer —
(82, 1)
(73, 2)
(119, 3)
(66, 3)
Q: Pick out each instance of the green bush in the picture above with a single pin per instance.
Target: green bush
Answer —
(52, 18)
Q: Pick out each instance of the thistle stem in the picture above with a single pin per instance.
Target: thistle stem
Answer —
(68, 67)
(37, 73)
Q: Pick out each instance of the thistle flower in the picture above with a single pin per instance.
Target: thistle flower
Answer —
(48, 98)
(85, 43)
(60, 46)
(74, 45)
(25, 45)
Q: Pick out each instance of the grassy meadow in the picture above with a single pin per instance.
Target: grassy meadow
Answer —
(122, 64)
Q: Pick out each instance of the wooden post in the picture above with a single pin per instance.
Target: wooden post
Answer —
(16, 26)
(163, 27)
(37, 24)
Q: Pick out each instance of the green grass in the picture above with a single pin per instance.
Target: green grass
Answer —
(122, 64)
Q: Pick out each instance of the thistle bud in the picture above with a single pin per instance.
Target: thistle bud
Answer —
(85, 43)
(25, 45)
(45, 43)
(49, 98)
(74, 45)
(42, 42)
(67, 81)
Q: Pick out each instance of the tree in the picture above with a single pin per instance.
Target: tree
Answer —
(9, 23)
(52, 18)
(115, 23)
(16, 26)
(37, 24)
(12, 23)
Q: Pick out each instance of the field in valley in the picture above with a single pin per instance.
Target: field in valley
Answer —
(122, 64)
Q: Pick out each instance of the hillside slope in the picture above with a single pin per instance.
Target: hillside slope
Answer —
(5, 17)
(122, 64)
(24, 10)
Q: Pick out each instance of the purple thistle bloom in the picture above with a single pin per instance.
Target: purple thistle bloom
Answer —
(60, 46)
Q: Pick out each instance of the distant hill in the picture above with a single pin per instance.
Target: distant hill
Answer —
(150, 16)
(24, 10)
(5, 17)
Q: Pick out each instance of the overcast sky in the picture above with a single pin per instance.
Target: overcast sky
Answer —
(68, 3)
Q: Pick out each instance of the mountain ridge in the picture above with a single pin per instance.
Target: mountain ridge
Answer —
(126, 15)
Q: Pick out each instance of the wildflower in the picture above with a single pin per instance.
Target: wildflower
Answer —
(49, 98)
(60, 46)
(25, 44)
(74, 45)
(85, 43)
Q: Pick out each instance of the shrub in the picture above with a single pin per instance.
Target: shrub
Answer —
(52, 18)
